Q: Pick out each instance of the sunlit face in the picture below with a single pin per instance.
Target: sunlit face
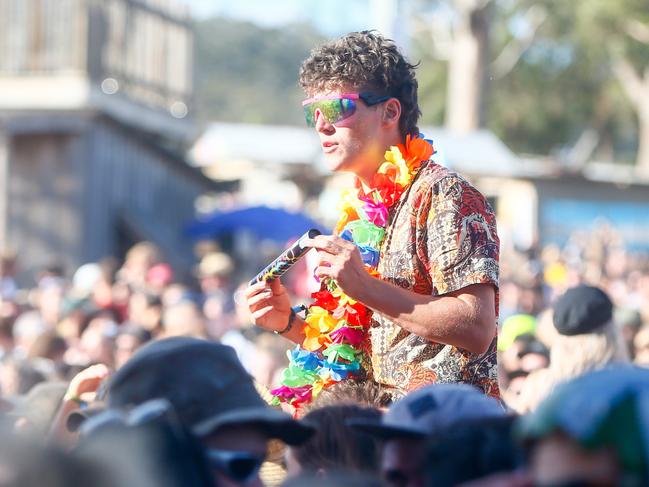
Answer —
(354, 143)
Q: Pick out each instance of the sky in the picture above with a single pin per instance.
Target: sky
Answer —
(331, 17)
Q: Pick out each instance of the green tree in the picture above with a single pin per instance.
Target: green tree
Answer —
(546, 80)
(624, 27)
(247, 73)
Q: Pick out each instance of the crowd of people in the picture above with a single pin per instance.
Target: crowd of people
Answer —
(432, 353)
(128, 375)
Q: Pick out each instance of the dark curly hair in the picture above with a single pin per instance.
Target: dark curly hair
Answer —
(365, 61)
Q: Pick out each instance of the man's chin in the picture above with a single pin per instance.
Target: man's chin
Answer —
(334, 164)
(337, 164)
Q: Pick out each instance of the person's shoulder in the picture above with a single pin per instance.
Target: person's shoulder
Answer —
(440, 179)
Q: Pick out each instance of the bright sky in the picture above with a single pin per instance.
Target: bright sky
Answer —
(332, 17)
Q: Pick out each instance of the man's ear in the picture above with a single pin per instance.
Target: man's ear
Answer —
(391, 112)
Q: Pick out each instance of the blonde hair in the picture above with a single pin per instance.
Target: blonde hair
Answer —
(571, 356)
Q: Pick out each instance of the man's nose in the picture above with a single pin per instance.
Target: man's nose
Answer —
(321, 123)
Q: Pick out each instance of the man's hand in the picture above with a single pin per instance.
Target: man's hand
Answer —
(341, 261)
(85, 382)
(269, 305)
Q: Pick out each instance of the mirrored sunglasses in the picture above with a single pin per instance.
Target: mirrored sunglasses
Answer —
(336, 108)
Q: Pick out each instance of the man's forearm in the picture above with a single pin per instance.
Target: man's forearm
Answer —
(464, 319)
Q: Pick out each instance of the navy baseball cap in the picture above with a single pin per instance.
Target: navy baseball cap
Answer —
(430, 409)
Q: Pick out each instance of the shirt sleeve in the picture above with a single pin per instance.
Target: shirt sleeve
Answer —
(459, 243)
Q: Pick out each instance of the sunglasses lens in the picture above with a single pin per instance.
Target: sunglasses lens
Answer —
(241, 467)
(244, 469)
(333, 110)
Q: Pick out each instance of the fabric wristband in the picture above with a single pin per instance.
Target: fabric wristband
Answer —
(289, 325)
(74, 398)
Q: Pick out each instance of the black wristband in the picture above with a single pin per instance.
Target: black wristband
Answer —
(289, 325)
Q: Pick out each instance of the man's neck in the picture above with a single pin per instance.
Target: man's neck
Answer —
(372, 166)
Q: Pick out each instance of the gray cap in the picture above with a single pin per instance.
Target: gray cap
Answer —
(431, 409)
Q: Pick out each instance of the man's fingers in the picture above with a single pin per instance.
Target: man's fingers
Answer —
(276, 286)
(326, 243)
(260, 313)
(259, 298)
(324, 271)
(325, 258)
(255, 289)
(97, 370)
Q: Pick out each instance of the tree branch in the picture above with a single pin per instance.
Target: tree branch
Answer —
(439, 37)
(514, 49)
(637, 30)
(628, 77)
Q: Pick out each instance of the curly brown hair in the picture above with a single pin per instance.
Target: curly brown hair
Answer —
(365, 61)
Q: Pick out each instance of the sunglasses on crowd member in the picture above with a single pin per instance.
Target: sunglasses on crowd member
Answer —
(240, 467)
(336, 108)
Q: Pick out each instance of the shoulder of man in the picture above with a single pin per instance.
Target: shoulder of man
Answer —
(441, 180)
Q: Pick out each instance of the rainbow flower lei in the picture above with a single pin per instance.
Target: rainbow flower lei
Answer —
(336, 344)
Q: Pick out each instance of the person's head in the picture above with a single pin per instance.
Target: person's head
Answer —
(129, 338)
(159, 276)
(591, 430)
(473, 451)
(532, 354)
(183, 319)
(27, 328)
(49, 345)
(139, 259)
(50, 296)
(335, 445)
(145, 310)
(588, 339)
(364, 393)
(421, 414)
(85, 279)
(97, 340)
(214, 272)
(213, 396)
(381, 110)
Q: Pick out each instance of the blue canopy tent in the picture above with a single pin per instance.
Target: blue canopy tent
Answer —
(266, 223)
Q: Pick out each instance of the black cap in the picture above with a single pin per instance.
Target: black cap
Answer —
(582, 309)
(206, 384)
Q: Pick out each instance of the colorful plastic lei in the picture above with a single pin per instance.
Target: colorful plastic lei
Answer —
(335, 343)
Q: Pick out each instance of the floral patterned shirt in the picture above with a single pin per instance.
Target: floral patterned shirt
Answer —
(441, 237)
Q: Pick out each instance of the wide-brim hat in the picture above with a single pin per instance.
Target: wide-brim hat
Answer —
(205, 383)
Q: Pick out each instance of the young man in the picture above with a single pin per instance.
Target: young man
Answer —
(435, 305)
